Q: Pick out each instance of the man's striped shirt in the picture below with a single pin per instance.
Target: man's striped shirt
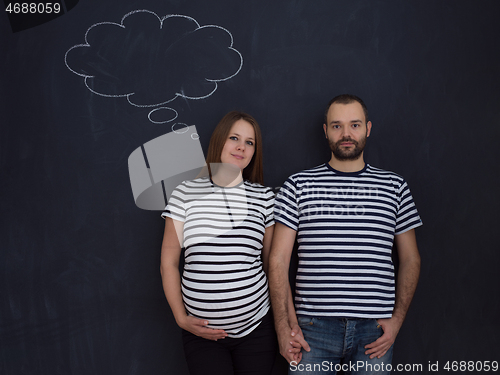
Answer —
(223, 280)
(345, 225)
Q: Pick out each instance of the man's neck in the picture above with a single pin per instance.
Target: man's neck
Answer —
(347, 165)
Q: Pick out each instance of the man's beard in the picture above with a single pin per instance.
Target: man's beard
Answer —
(345, 154)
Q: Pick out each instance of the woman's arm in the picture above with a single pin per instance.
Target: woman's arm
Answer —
(169, 269)
(266, 247)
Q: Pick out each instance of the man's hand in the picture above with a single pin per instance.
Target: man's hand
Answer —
(409, 269)
(291, 343)
(298, 338)
(379, 347)
(198, 327)
(289, 349)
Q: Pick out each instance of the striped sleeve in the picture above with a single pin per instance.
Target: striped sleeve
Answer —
(407, 216)
(176, 205)
(286, 206)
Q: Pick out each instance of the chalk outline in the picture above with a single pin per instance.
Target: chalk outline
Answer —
(161, 122)
(86, 77)
(184, 129)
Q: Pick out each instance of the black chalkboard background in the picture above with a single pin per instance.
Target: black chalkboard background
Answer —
(79, 269)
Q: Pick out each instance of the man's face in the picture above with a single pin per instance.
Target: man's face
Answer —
(346, 130)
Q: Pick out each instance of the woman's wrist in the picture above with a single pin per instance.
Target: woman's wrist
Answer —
(180, 319)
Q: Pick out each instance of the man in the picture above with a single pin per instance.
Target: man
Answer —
(347, 214)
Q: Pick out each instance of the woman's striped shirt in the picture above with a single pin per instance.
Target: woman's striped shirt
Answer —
(346, 224)
(223, 279)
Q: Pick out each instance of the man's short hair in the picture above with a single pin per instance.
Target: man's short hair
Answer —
(346, 99)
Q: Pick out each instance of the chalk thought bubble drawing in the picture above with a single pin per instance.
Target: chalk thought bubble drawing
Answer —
(161, 164)
(152, 61)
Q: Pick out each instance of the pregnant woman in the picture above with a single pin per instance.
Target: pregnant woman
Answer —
(225, 224)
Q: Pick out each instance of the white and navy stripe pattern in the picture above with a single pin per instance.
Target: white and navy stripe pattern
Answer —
(223, 280)
(346, 224)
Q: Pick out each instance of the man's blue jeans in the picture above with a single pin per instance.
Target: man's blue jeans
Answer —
(339, 344)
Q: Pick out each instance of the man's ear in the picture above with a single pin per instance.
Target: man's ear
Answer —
(324, 129)
(368, 128)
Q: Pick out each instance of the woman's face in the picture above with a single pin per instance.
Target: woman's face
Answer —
(240, 145)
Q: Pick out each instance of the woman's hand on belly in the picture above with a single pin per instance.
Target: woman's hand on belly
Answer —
(198, 327)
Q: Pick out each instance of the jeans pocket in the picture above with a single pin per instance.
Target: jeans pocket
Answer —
(377, 325)
(305, 321)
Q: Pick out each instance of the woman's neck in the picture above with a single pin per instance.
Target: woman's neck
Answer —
(225, 175)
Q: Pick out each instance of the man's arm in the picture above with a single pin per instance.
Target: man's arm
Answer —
(407, 279)
(284, 312)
